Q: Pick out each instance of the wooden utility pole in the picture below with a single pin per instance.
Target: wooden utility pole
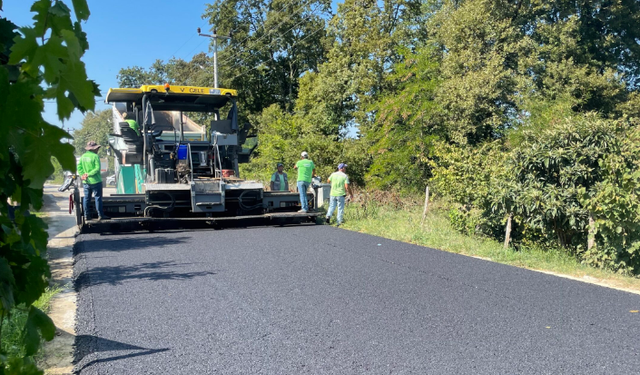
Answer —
(591, 241)
(507, 234)
(426, 206)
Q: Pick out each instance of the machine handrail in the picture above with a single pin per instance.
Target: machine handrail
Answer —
(190, 159)
(218, 172)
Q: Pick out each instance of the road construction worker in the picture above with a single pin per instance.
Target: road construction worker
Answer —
(279, 179)
(306, 171)
(89, 172)
(339, 188)
(133, 124)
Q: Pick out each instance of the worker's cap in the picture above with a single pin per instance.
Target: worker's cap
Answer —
(92, 145)
(342, 165)
(280, 165)
(304, 154)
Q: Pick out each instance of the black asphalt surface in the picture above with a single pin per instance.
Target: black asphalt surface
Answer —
(321, 300)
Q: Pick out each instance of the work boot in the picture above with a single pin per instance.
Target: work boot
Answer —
(327, 220)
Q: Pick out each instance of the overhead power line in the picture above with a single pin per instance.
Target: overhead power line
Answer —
(271, 29)
(268, 32)
(278, 38)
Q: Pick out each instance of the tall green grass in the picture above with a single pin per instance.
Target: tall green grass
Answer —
(404, 224)
(12, 325)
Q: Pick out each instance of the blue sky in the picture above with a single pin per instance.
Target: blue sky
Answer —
(126, 33)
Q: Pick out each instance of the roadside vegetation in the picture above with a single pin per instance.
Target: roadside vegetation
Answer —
(13, 340)
(57, 177)
(401, 220)
(38, 62)
(522, 113)
(522, 117)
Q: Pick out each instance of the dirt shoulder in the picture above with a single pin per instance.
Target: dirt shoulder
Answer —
(57, 355)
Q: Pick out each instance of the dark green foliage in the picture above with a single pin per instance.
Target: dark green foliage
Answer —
(552, 180)
(406, 124)
(274, 43)
(37, 63)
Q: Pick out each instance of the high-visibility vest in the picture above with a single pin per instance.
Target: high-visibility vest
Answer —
(276, 181)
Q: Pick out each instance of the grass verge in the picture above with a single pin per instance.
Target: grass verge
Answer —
(404, 225)
(13, 325)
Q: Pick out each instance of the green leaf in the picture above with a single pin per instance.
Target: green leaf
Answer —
(60, 9)
(51, 56)
(81, 35)
(7, 282)
(25, 46)
(38, 323)
(82, 9)
(65, 105)
(41, 10)
(7, 34)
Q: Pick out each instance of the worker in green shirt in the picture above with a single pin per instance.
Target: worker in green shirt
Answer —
(89, 172)
(306, 171)
(339, 188)
(133, 124)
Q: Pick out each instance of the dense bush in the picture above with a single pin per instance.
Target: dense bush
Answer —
(552, 181)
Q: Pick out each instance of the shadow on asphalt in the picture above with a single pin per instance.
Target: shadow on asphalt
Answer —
(89, 245)
(116, 275)
(87, 344)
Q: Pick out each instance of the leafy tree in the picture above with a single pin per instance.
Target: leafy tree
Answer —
(36, 63)
(197, 72)
(284, 136)
(273, 43)
(497, 55)
(96, 126)
(406, 124)
(366, 37)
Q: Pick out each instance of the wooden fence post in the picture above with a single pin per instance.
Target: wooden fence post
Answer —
(426, 206)
(507, 234)
(591, 241)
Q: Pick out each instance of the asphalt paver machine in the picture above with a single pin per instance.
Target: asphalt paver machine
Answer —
(174, 173)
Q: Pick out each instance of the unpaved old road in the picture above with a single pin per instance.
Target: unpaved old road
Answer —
(320, 300)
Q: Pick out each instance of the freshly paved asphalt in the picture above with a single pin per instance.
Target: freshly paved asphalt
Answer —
(320, 300)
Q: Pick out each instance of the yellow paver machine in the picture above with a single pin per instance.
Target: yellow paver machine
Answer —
(172, 172)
